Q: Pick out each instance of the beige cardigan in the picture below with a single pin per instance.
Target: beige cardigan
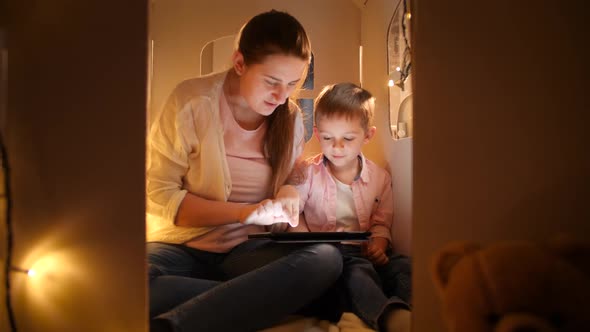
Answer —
(186, 153)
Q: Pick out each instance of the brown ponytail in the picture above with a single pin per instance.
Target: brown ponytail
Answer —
(269, 33)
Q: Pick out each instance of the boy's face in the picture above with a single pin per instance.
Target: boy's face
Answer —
(341, 139)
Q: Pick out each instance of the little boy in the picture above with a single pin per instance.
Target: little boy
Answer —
(341, 191)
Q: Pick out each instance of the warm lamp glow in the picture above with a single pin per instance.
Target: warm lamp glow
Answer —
(390, 83)
(47, 265)
(29, 272)
(54, 272)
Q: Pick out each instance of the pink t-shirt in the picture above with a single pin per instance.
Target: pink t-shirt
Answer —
(249, 169)
(250, 177)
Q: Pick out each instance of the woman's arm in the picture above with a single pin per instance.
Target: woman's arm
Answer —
(170, 145)
(195, 211)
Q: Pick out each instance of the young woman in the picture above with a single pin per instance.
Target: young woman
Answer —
(219, 154)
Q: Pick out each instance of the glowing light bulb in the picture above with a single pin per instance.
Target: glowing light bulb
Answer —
(398, 68)
(29, 272)
(390, 83)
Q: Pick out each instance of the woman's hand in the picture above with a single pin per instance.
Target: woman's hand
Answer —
(265, 213)
(376, 250)
(288, 196)
(283, 209)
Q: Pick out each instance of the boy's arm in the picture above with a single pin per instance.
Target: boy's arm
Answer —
(303, 184)
(288, 197)
(298, 192)
(303, 188)
(382, 214)
(381, 220)
(302, 227)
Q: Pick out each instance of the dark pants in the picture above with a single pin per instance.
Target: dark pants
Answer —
(252, 287)
(371, 291)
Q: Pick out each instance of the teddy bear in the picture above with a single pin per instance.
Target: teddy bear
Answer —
(515, 286)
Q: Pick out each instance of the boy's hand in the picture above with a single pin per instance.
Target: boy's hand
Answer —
(288, 196)
(376, 250)
(302, 227)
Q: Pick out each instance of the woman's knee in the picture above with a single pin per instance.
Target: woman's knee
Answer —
(327, 259)
(167, 259)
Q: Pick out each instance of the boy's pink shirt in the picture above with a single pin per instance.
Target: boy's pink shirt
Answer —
(371, 191)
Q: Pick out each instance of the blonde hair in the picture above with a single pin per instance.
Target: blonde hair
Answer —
(269, 33)
(347, 100)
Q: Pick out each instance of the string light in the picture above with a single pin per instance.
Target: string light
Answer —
(402, 71)
(395, 77)
(29, 272)
(407, 58)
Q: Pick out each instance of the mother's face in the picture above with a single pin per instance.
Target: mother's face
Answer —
(266, 85)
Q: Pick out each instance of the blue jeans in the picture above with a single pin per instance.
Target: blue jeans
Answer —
(372, 291)
(252, 287)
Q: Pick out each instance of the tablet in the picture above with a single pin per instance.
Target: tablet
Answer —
(312, 236)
